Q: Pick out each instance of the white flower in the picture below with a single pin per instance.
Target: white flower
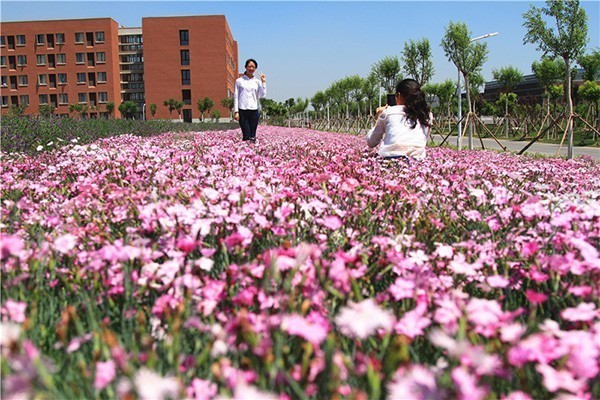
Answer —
(152, 386)
(362, 319)
(40, 148)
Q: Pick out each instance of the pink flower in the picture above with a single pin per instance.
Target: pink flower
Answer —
(402, 289)
(11, 245)
(313, 331)
(105, 373)
(518, 395)
(413, 322)
(535, 297)
(332, 222)
(497, 281)
(583, 312)
(466, 385)
(201, 389)
(15, 310)
(418, 383)
(485, 314)
(555, 380)
(65, 243)
(186, 244)
(362, 319)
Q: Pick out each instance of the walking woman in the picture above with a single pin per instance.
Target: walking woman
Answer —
(403, 128)
(248, 89)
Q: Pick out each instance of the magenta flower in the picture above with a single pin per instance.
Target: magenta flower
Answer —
(312, 331)
(15, 310)
(11, 245)
(332, 222)
(583, 312)
(65, 243)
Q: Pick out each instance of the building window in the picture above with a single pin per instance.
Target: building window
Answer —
(101, 77)
(2, 61)
(185, 77)
(89, 37)
(186, 96)
(63, 98)
(99, 37)
(81, 77)
(79, 58)
(90, 60)
(22, 60)
(41, 59)
(50, 40)
(13, 83)
(52, 80)
(78, 37)
(40, 39)
(60, 38)
(24, 98)
(82, 97)
(101, 57)
(2, 41)
(43, 98)
(184, 37)
(185, 57)
(20, 40)
(4, 101)
(42, 79)
(61, 58)
(51, 61)
(62, 79)
(102, 97)
(23, 80)
(91, 79)
(4, 81)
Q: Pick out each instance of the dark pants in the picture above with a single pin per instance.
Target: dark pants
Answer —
(249, 123)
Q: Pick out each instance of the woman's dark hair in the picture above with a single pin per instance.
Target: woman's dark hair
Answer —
(251, 60)
(415, 106)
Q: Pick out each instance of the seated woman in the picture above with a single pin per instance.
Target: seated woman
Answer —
(403, 128)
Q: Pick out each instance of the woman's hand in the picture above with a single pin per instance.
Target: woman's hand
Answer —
(236, 116)
(379, 111)
(263, 78)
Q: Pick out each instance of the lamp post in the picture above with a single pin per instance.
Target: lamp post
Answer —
(144, 112)
(458, 92)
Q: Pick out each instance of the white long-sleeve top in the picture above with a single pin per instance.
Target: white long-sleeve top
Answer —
(393, 128)
(247, 92)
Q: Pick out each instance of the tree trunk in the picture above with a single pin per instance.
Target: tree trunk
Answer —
(465, 76)
(570, 110)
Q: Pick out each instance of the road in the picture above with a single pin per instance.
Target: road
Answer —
(540, 148)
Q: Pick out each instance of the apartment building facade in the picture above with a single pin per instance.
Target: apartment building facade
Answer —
(188, 59)
(92, 62)
(59, 63)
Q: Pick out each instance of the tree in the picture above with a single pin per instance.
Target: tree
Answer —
(318, 101)
(590, 64)
(370, 90)
(508, 78)
(417, 60)
(216, 114)
(18, 110)
(468, 56)
(110, 108)
(172, 105)
(566, 40)
(589, 92)
(388, 73)
(178, 106)
(153, 108)
(227, 102)
(128, 109)
(78, 108)
(205, 105)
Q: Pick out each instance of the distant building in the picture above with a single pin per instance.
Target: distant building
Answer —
(91, 62)
(528, 89)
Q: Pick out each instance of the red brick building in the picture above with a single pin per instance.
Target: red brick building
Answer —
(59, 63)
(188, 58)
(91, 62)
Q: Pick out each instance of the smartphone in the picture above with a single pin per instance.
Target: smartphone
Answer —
(391, 99)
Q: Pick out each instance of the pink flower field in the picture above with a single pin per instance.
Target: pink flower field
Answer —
(196, 266)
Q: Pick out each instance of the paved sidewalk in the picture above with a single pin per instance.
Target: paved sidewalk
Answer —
(540, 148)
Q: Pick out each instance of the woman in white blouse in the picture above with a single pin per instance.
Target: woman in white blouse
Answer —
(248, 89)
(403, 128)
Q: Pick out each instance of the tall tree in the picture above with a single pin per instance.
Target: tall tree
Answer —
(370, 90)
(468, 56)
(318, 101)
(417, 60)
(508, 78)
(567, 40)
(227, 102)
(590, 64)
(171, 104)
(204, 105)
(387, 71)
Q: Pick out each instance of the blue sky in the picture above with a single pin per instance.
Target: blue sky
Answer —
(304, 46)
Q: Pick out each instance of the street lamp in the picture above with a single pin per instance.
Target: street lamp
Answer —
(458, 92)
(144, 112)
